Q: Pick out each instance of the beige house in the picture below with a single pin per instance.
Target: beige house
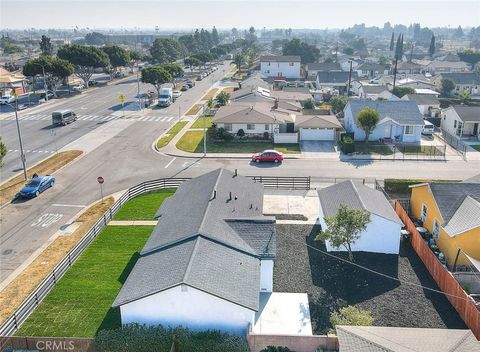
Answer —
(12, 82)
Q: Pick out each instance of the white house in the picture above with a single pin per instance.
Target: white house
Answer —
(280, 66)
(468, 82)
(428, 104)
(382, 234)
(399, 120)
(207, 261)
(462, 121)
(374, 92)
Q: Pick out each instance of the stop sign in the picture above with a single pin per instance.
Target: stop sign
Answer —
(100, 179)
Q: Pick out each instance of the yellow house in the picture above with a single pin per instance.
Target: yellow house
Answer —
(451, 212)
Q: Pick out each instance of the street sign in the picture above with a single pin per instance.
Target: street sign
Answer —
(122, 98)
(100, 179)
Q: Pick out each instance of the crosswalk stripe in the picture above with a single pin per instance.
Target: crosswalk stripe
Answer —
(170, 119)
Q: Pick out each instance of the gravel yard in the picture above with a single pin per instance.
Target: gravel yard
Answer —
(332, 284)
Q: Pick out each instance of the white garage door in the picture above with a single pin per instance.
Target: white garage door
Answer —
(317, 134)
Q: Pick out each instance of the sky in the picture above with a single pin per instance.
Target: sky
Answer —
(188, 14)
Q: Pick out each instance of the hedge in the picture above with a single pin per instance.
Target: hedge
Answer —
(142, 338)
(394, 185)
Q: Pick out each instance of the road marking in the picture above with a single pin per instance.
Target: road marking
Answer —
(68, 205)
(170, 119)
(170, 162)
(47, 220)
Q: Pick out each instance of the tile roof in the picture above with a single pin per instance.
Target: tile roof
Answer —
(355, 196)
(396, 339)
(401, 111)
(285, 58)
(468, 113)
(423, 99)
(211, 234)
(462, 77)
(459, 205)
(335, 77)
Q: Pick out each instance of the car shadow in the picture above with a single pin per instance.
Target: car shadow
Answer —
(265, 165)
(20, 200)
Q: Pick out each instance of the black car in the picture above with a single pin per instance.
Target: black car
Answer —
(184, 88)
(48, 95)
(92, 82)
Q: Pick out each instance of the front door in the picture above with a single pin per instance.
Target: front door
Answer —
(475, 129)
(388, 131)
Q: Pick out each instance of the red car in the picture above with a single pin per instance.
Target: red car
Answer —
(268, 155)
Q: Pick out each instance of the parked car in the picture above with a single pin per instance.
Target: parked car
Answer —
(190, 84)
(92, 82)
(119, 74)
(199, 78)
(36, 186)
(7, 99)
(184, 88)
(176, 93)
(48, 95)
(268, 155)
(428, 128)
(78, 87)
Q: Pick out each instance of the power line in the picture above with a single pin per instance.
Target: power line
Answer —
(377, 272)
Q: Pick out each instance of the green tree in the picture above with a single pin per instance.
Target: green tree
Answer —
(367, 120)
(3, 150)
(165, 50)
(56, 70)
(276, 349)
(338, 103)
(344, 228)
(239, 60)
(156, 76)
(431, 49)
(446, 86)
(399, 47)
(392, 42)
(85, 58)
(459, 32)
(192, 62)
(118, 57)
(215, 37)
(470, 56)
(222, 98)
(46, 46)
(95, 38)
(464, 96)
(10, 48)
(135, 57)
(174, 70)
(351, 315)
(308, 53)
(401, 91)
(308, 104)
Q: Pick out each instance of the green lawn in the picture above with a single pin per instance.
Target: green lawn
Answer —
(199, 122)
(372, 148)
(143, 207)
(162, 142)
(476, 147)
(79, 305)
(192, 141)
(419, 149)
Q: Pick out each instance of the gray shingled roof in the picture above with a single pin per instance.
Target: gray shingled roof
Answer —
(459, 213)
(258, 112)
(284, 58)
(335, 77)
(324, 66)
(423, 99)
(403, 112)
(371, 66)
(355, 196)
(462, 77)
(396, 339)
(468, 113)
(199, 263)
(374, 89)
(208, 240)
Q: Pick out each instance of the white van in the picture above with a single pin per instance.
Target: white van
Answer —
(63, 117)
(428, 128)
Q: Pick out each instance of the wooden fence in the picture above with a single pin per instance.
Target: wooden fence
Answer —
(463, 303)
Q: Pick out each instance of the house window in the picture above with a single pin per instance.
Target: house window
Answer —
(436, 229)
(408, 129)
(424, 213)
(250, 126)
(291, 64)
(228, 126)
(267, 127)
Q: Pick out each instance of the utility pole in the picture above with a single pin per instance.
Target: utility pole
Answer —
(204, 132)
(22, 155)
(349, 77)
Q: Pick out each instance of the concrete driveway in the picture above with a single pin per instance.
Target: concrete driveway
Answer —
(318, 149)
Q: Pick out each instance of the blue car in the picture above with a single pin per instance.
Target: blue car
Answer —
(36, 186)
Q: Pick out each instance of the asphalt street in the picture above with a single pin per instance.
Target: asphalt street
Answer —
(127, 158)
(27, 225)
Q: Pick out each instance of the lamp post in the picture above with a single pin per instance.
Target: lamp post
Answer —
(22, 155)
(204, 132)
